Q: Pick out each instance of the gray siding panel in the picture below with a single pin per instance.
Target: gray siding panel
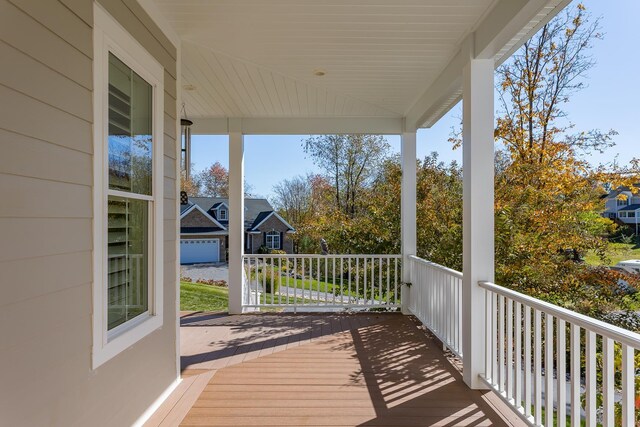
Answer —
(170, 167)
(47, 307)
(45, 275)
(170, 84)
(36, 80)
(39, 198)
(26, 156)
(46, 234)
(82, 8)
(28, 116)
(26, 34)
(61, 21)
(24, 238)
(170, 149)
(169, 104)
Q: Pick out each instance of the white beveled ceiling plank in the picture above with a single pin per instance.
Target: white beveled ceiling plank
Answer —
(377, 54)
(509, 24)
(227, 87)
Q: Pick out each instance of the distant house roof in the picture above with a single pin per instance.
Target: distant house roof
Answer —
(263, 216)
(623, 188)
(255, 210)
(630, 208)
(189, 207)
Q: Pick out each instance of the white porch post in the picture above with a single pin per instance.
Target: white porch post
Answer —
(236, 220)
(478, 220)
(408, 211)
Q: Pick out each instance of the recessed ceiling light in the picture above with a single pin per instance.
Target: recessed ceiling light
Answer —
(319, 72)
(189, 87)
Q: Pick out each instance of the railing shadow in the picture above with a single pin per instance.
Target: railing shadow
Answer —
(411, 382)
(250, 333)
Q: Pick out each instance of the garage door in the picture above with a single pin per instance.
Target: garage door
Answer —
(199, 251)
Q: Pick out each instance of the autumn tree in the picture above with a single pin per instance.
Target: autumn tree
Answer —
(349, 162)
(214, 181)
(546, 191)
(191, 185)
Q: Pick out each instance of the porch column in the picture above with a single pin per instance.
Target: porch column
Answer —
(478, 222)
(408, 211)
(236, 220)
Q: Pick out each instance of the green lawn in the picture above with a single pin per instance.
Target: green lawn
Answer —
(197, 297)
(616, 252)
(322, 286)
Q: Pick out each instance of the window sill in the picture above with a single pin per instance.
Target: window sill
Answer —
(125, 336)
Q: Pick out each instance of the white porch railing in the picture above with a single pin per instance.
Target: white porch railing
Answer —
(436, 299)
(534, 347)
(531, 341)
(322, 282)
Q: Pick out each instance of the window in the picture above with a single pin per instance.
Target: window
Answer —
(631, 214)
(622, 214)
(223, 214)
(128, 147)
(273, 240)
(130, 165)
(622, 202)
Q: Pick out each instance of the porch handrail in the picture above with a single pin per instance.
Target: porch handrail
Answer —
(450, 271)
(514, 366)
(436, 300)
(616, 333)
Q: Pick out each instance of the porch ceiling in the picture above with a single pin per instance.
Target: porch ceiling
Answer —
(258, 58)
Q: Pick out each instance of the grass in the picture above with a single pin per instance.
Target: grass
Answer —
(197, 297)
(555, 418)
(616, 252)
(322, 286)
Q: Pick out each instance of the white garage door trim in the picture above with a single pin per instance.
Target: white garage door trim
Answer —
(195, 251)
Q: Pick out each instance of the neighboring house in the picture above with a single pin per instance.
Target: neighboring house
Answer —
(623, 204)
(204, 225)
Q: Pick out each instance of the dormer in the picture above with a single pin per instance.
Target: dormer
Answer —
(220, 211)
(223, 214)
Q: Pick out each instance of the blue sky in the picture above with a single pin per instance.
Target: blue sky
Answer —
(610, 101)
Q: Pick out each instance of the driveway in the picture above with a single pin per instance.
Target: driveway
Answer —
(205, 271)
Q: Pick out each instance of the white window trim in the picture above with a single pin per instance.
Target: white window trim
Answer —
(109, 36)
(273, 235)
(225, 214)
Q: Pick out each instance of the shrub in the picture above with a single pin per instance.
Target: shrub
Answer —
(220, 283)
(625, 319)
(269, 280)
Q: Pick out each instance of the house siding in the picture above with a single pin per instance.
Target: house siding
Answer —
(46, 181)
(195, 218)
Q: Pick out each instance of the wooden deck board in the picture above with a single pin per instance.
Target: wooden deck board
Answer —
(325, 370)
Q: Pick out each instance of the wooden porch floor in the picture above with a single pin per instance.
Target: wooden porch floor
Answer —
(320, 370)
